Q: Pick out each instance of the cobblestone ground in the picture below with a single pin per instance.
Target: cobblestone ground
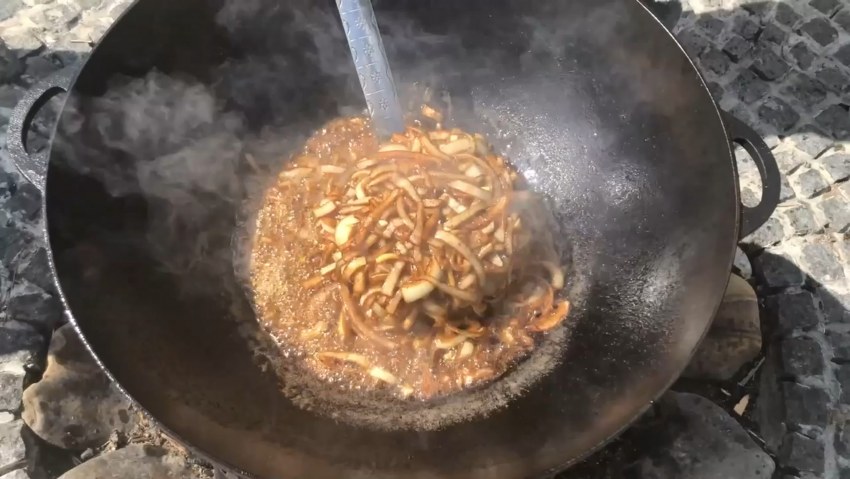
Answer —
(782, 67)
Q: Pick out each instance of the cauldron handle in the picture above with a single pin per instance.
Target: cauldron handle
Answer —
(34, 166)
(753, 217)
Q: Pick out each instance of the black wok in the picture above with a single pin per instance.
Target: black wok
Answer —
(592, 99)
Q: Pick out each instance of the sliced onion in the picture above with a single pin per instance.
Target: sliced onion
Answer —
(388, 288)
(358, 322)
(471, 190)
(453, 241)
(461, 145)
(343, 229)
(552, 318)
(331, 169)
(355, 358)
(556, 273)
(475, 208)
(415, 290)
(326, 207)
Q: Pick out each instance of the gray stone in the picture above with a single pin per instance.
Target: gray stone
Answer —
(811, 140)
(767, 64)
(138, 461)
(712, 26)
(802, 220)
(9, 8)
(842, 439)
(786, 193)
(833, 78)
(10, 95)
(821, 263)
(714, 61)
(12, 241)
(26, 201)
(820, 30)
(773, 34)
(692, 42)
(715, 89)
(803, 453)
(802, 54)
(749, 86)
(840, 343)
(736, 47)
(745, 27)
(742, 264)
(34, 306)
(786, 15)
(805, 406)
(790, 159)
(802, 356)
(11, 443)
(836, 210)
(779, 114)
(770, 233)
(75, 406)
(825, 6)
(843, 54)
(39, 67)
(842, 19)
(19, 474)
(775, 270)
(835, 120)
(701, 441)
(20, 353)
(836, 307)
(842, 374)
(10, 65)
(836, 167)
(805, 90)
(794, 311)
(809, 183)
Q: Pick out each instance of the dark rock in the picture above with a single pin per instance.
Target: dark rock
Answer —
(809, 183)
(820, 30)
(794, 311)
(10, 66)
(842, 439)
(767, 64)
(770, 233)
(821, 263)
(842, 374)
(825, 6)
(786, 193)
(745, 27)
(133, 461)
(811, 140)
(842, 19)
(712, 26)
(700, 440)
(803, 453)
(749, 86)
(802, 54)
(833, 78)
(805, 90)
(805, 406)
(714, 61)
(742, 264)
(736, 47)
(35, 307)
(778, 114)
(40, 67)
(789, 160)
(715, 89)
(837, 213)
(802, 357)
(692, 42)
(23, 347)
(837, 167)
(802, 220)
(13, 241)
(836, 307)
(843, 54)
(840, 343)
(835, 120)
(775, 270)
(26, 200)
(773, 34)
(786, 15)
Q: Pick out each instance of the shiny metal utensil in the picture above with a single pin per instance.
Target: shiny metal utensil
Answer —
(373, 69)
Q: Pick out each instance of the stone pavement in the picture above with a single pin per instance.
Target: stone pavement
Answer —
(783, 68)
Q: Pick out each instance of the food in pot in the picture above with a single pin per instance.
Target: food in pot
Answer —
(419, 266)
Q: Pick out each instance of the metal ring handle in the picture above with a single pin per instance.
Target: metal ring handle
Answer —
(753, 217)
(33, 167)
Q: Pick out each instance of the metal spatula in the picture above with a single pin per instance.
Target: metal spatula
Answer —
(373, 69)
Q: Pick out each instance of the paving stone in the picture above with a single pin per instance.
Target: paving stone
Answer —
(820, 30)
(842, 374)
(21, 352)
(10, 66)
(773, 34)
(712, 26)
(26, 201)
(802, 356)
(840, 343)
(746, 28)
(835, 120)
(786, 15)
(802, 220)
(768, 234)
(842, 439)
(803, 453)
(34, 306)
(836, 167)
(779, 114)
(35, 269)
(742, 264)
(821, 263)
(836, 307)
(767, 64)
(842, 19)
(833, 78)
(715, 89)
(825, 6)
(843, 54)
(786, 193)
(807, 91)
(802, 55)
(9, 7)
(714, 61)
(811, 140)
(736, 47)
(808, 183)
(805, 406)
(789, 159)
(775, 269)
(749, 86)
(794, 311)
(837, 213)
(692, 42)
(11, 444)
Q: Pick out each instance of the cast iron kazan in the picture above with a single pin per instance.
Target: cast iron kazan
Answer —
(594, 101)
